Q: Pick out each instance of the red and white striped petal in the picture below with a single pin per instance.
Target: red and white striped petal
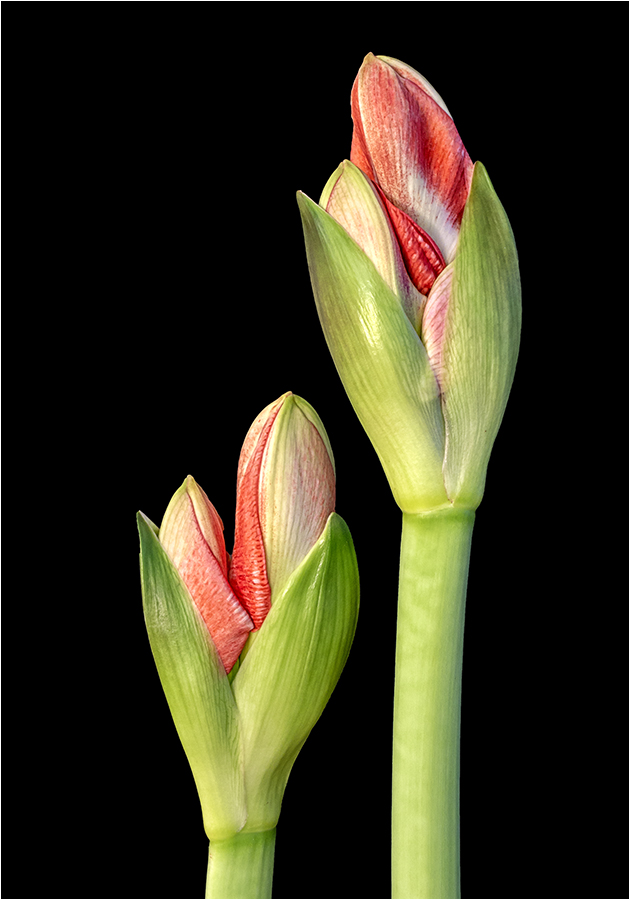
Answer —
(422, 256)
(407, 143)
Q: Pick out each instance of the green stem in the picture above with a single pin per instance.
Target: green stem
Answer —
(241, 866)
(434, 557)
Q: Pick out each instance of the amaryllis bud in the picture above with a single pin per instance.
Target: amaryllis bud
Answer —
(292, 581)
(429, 374)
(429, 379)
(405, 140)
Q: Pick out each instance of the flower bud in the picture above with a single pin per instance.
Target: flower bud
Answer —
(422, 232)
(294, 572)
(405, 140)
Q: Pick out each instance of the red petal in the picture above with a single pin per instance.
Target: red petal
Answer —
(422, 256)
(248, 567)
(408, 144)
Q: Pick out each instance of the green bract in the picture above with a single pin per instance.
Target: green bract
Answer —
(380, 359)
(196, 687)
(289, 674)
(433, 437)
(483, 327)
(241, 739)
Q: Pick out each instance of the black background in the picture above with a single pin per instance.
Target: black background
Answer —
(164, 300)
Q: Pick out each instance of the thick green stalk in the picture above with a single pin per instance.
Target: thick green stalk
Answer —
(434, 557)
(241, 866)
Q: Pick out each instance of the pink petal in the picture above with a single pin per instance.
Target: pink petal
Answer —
(433, 324)
(209, 522)
(193, 549)
(360, 206)
(408, 144)
(227, 621)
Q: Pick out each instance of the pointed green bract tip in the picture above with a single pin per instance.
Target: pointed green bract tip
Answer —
(145, 521)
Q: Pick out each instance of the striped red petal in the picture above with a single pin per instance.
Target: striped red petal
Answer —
(248, 568)
(407, 143)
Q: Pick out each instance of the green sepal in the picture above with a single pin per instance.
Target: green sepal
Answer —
(381, 360)
(288, 675)
(481, 340)
(196, 687)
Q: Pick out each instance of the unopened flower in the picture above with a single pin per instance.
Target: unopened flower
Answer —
(292, 581)
(415, 276)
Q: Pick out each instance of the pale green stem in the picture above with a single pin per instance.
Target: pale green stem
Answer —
(242, 866)
(434, 557)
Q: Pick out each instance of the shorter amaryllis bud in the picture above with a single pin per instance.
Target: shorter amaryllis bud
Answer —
(293, 578)
(285, 493)
(192, 535)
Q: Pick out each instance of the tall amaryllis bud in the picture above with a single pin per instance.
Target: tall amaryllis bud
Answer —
(424, 242)
(293, 581)
(415, 276)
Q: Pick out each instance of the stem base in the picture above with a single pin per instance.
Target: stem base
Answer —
(242, 866)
